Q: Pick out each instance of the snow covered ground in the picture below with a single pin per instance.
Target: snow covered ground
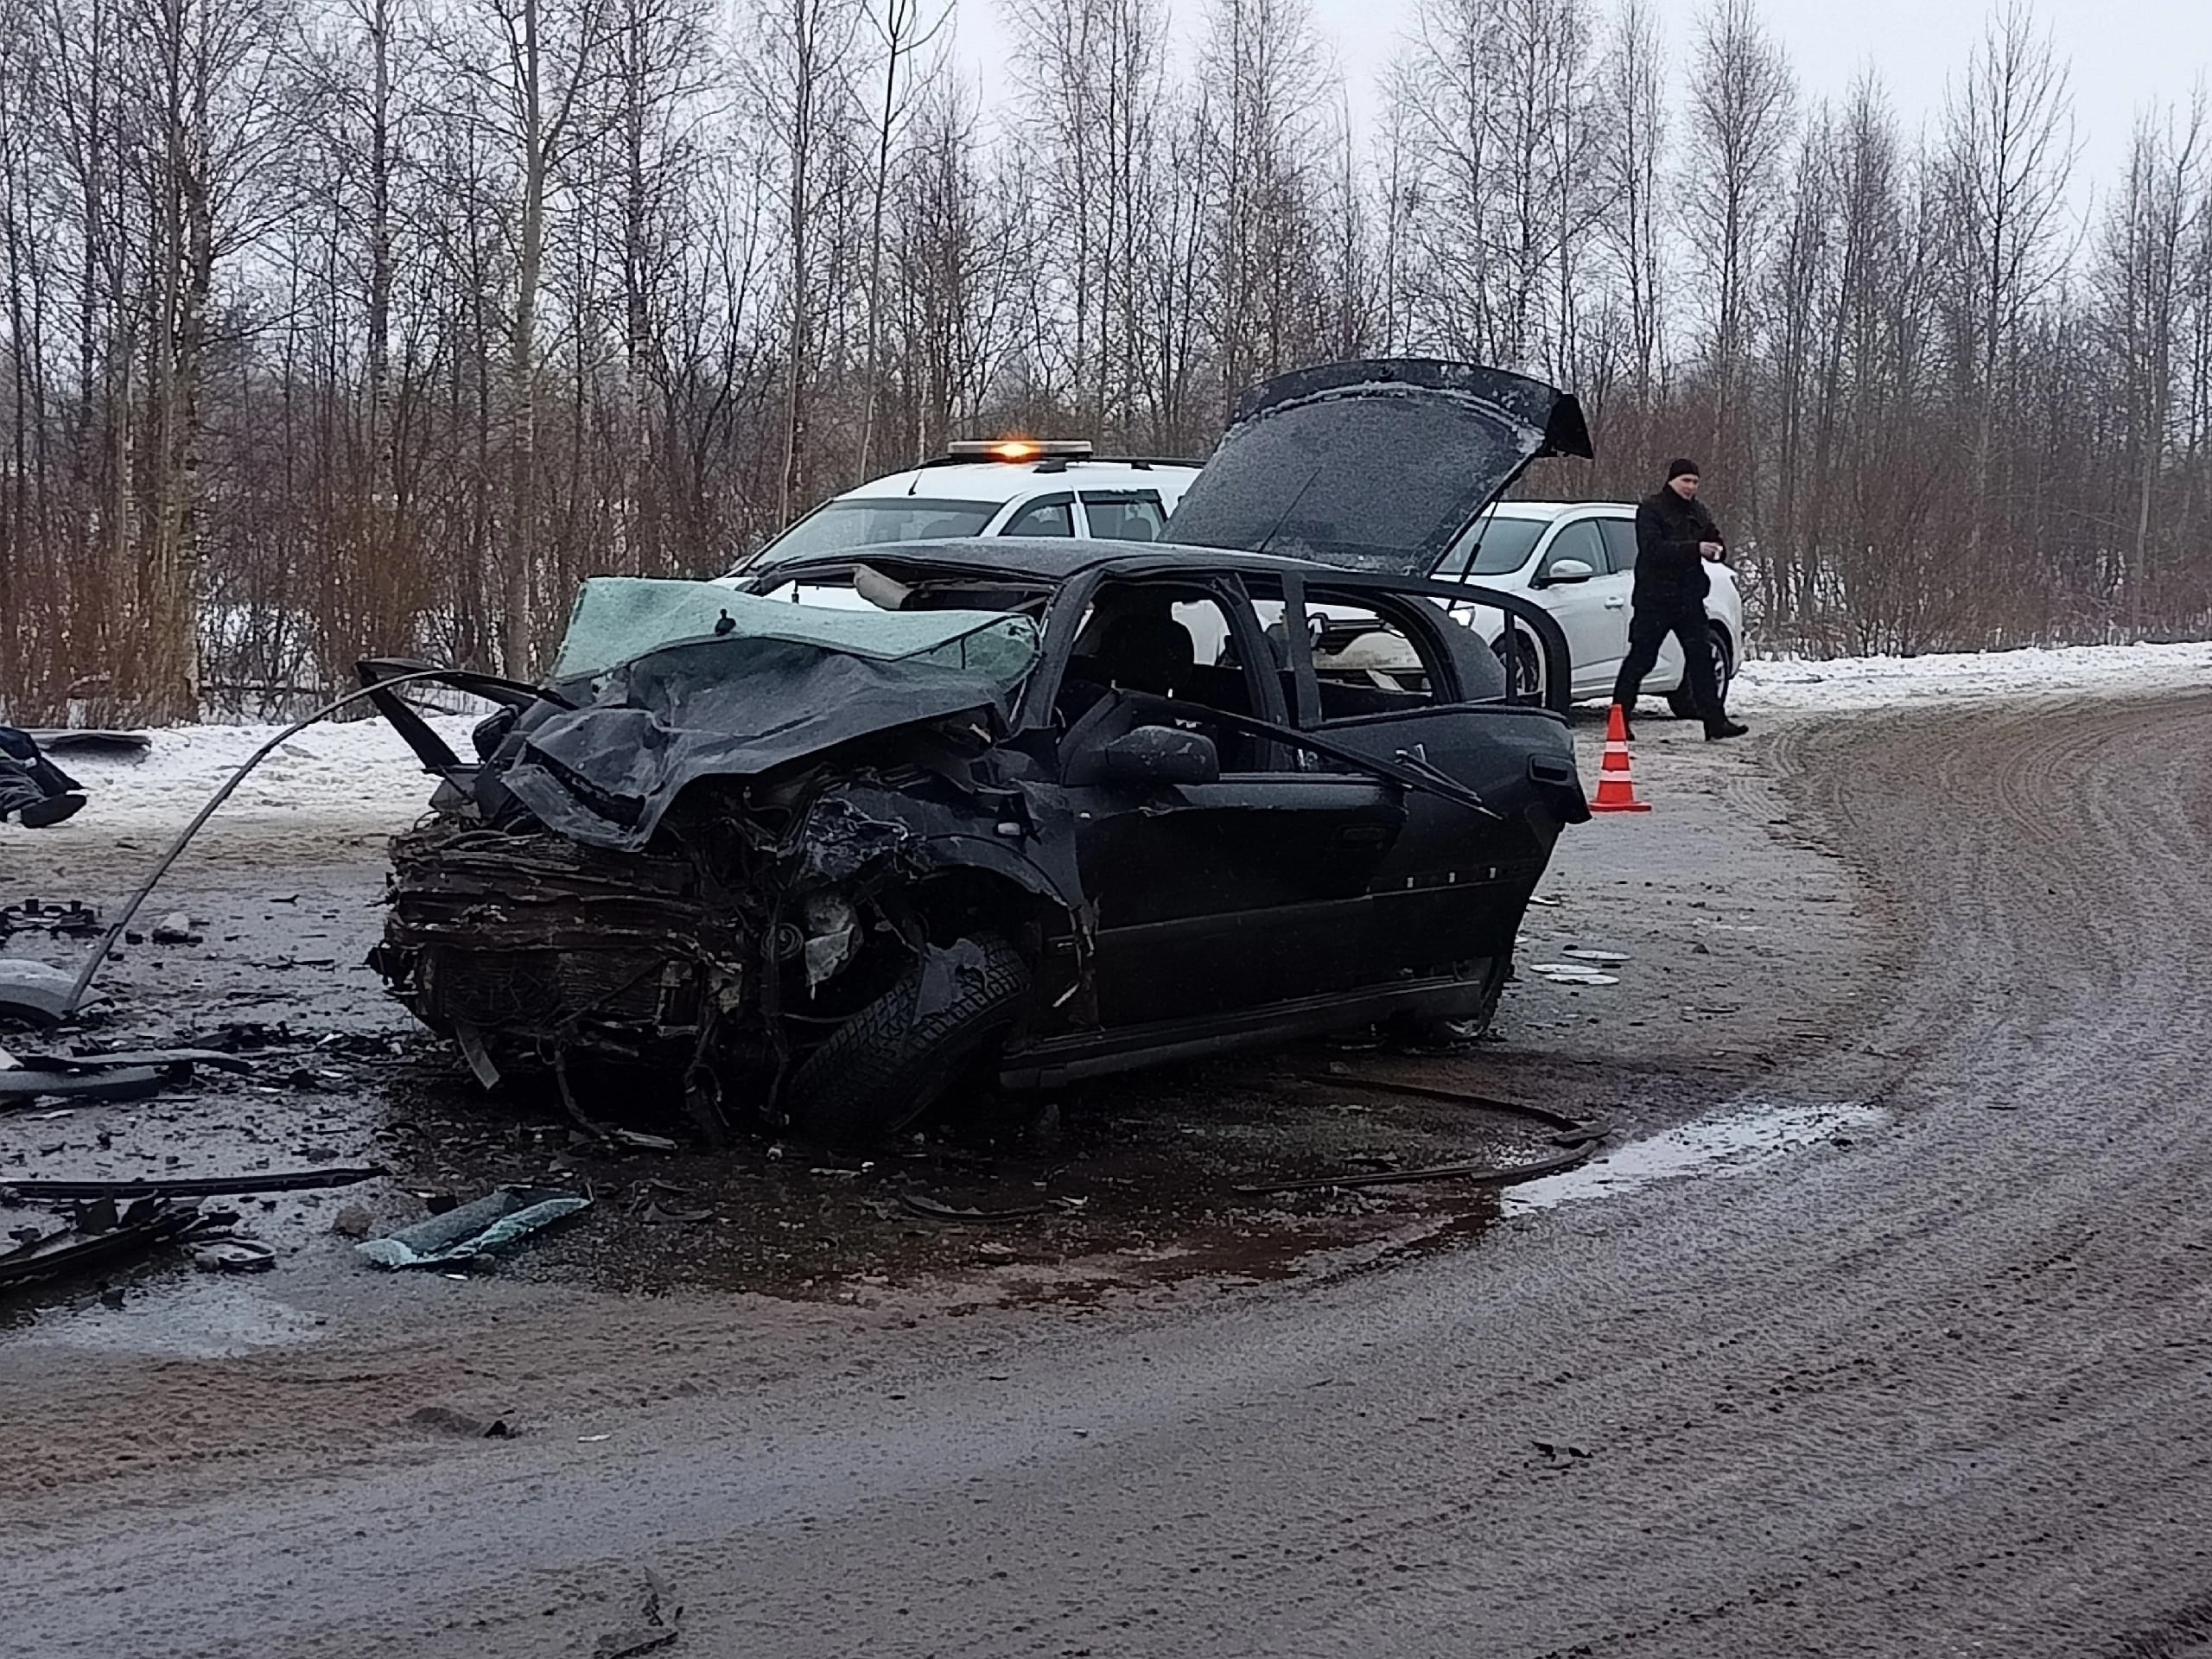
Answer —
(1777, 687)
(359, 776)
(355, 776)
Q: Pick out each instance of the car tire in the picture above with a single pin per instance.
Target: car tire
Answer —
(1471, 1027)
(1724, 668)
(886, 1066)
(1524, 675)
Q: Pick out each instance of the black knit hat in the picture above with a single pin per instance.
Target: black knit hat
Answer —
(1677, 468)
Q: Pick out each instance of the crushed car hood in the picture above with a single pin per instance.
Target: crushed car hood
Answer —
(1376, 466)
(660, 683)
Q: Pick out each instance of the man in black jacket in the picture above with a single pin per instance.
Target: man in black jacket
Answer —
(1674, 538)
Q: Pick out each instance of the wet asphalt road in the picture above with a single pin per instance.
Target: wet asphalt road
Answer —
(1937, 1385)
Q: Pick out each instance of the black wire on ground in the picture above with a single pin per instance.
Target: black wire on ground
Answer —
(1580, 1139)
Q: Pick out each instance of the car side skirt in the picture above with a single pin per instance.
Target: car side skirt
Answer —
(1055, 1061)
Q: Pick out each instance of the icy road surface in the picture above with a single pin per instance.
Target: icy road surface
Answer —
(1925, 1374)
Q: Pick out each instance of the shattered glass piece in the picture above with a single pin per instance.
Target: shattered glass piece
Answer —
(619, 619)
(490, 1224)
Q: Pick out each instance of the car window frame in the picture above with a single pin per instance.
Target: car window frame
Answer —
(1123, 491)
(1427, 619)
(1030, 504)
(1548, 549)
(1606, 521)
(1061, 627)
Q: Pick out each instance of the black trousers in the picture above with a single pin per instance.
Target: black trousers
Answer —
(1648, 628)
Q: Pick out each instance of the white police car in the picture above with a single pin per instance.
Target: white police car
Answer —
(1012, 486)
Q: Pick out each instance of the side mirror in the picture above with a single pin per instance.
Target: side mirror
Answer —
(1154, 755)
(1569, 570)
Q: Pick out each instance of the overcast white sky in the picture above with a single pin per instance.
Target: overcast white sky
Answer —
(2125, 55)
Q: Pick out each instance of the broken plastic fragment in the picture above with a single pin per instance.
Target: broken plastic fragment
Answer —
(490, 1224)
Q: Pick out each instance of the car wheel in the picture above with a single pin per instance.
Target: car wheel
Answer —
(888, 1064)
(1470, 1027)
(1524, 678)
(1723, 670)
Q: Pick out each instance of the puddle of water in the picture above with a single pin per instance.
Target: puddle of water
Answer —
(1715, 1146)
(212, 1317)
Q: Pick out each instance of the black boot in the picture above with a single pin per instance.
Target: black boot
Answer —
(1717, 729)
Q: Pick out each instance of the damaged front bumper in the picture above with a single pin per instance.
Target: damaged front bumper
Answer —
(525, 945)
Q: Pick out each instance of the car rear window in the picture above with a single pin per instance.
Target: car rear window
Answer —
(870, 521)
(1124, 515)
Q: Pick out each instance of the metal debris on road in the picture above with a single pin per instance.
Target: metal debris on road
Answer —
(490, 1224)
(200, 1187)
(22, 1085)
(35, 993)
(73, 920)
(235, 1256)
(100, 1235)
(921, 1204)
(1578, 1139)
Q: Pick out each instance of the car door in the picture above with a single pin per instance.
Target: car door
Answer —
(1211, 899)
(1592, 612)
(1614, 587)
(1442, 901)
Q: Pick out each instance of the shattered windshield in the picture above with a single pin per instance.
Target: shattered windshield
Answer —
(618, 619)
(870, 521)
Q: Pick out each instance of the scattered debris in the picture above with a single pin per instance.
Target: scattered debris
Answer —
(1473, 1174)
(1572, 973)
(204, 1186)
(921, 1205)
(99, 1236)
(170, 1056)
(132, 746)
(352, 1221)
(34, 792)
(655, 1627)
(1578, 1140)
(70, 921)
(447, 1421)
(34, 992)
(461, 1235)
(1585, 953)
(175, 928)
(23, 1084)
(235, 1256)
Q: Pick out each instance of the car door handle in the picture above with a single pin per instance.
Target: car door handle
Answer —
(1617, 603)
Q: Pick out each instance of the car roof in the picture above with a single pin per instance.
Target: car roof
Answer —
(1004, 480)
(1055, 559)
(1548, 509)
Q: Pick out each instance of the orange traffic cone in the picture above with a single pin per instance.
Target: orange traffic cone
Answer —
(1616, 789)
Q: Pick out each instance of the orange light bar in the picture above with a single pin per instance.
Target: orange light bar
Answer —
(1018, 449)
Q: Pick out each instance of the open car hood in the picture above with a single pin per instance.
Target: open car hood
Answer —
(1377, 465)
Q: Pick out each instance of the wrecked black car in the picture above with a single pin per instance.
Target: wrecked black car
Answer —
(811, 845)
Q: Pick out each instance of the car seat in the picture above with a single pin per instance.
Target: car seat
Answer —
(1153, 653)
